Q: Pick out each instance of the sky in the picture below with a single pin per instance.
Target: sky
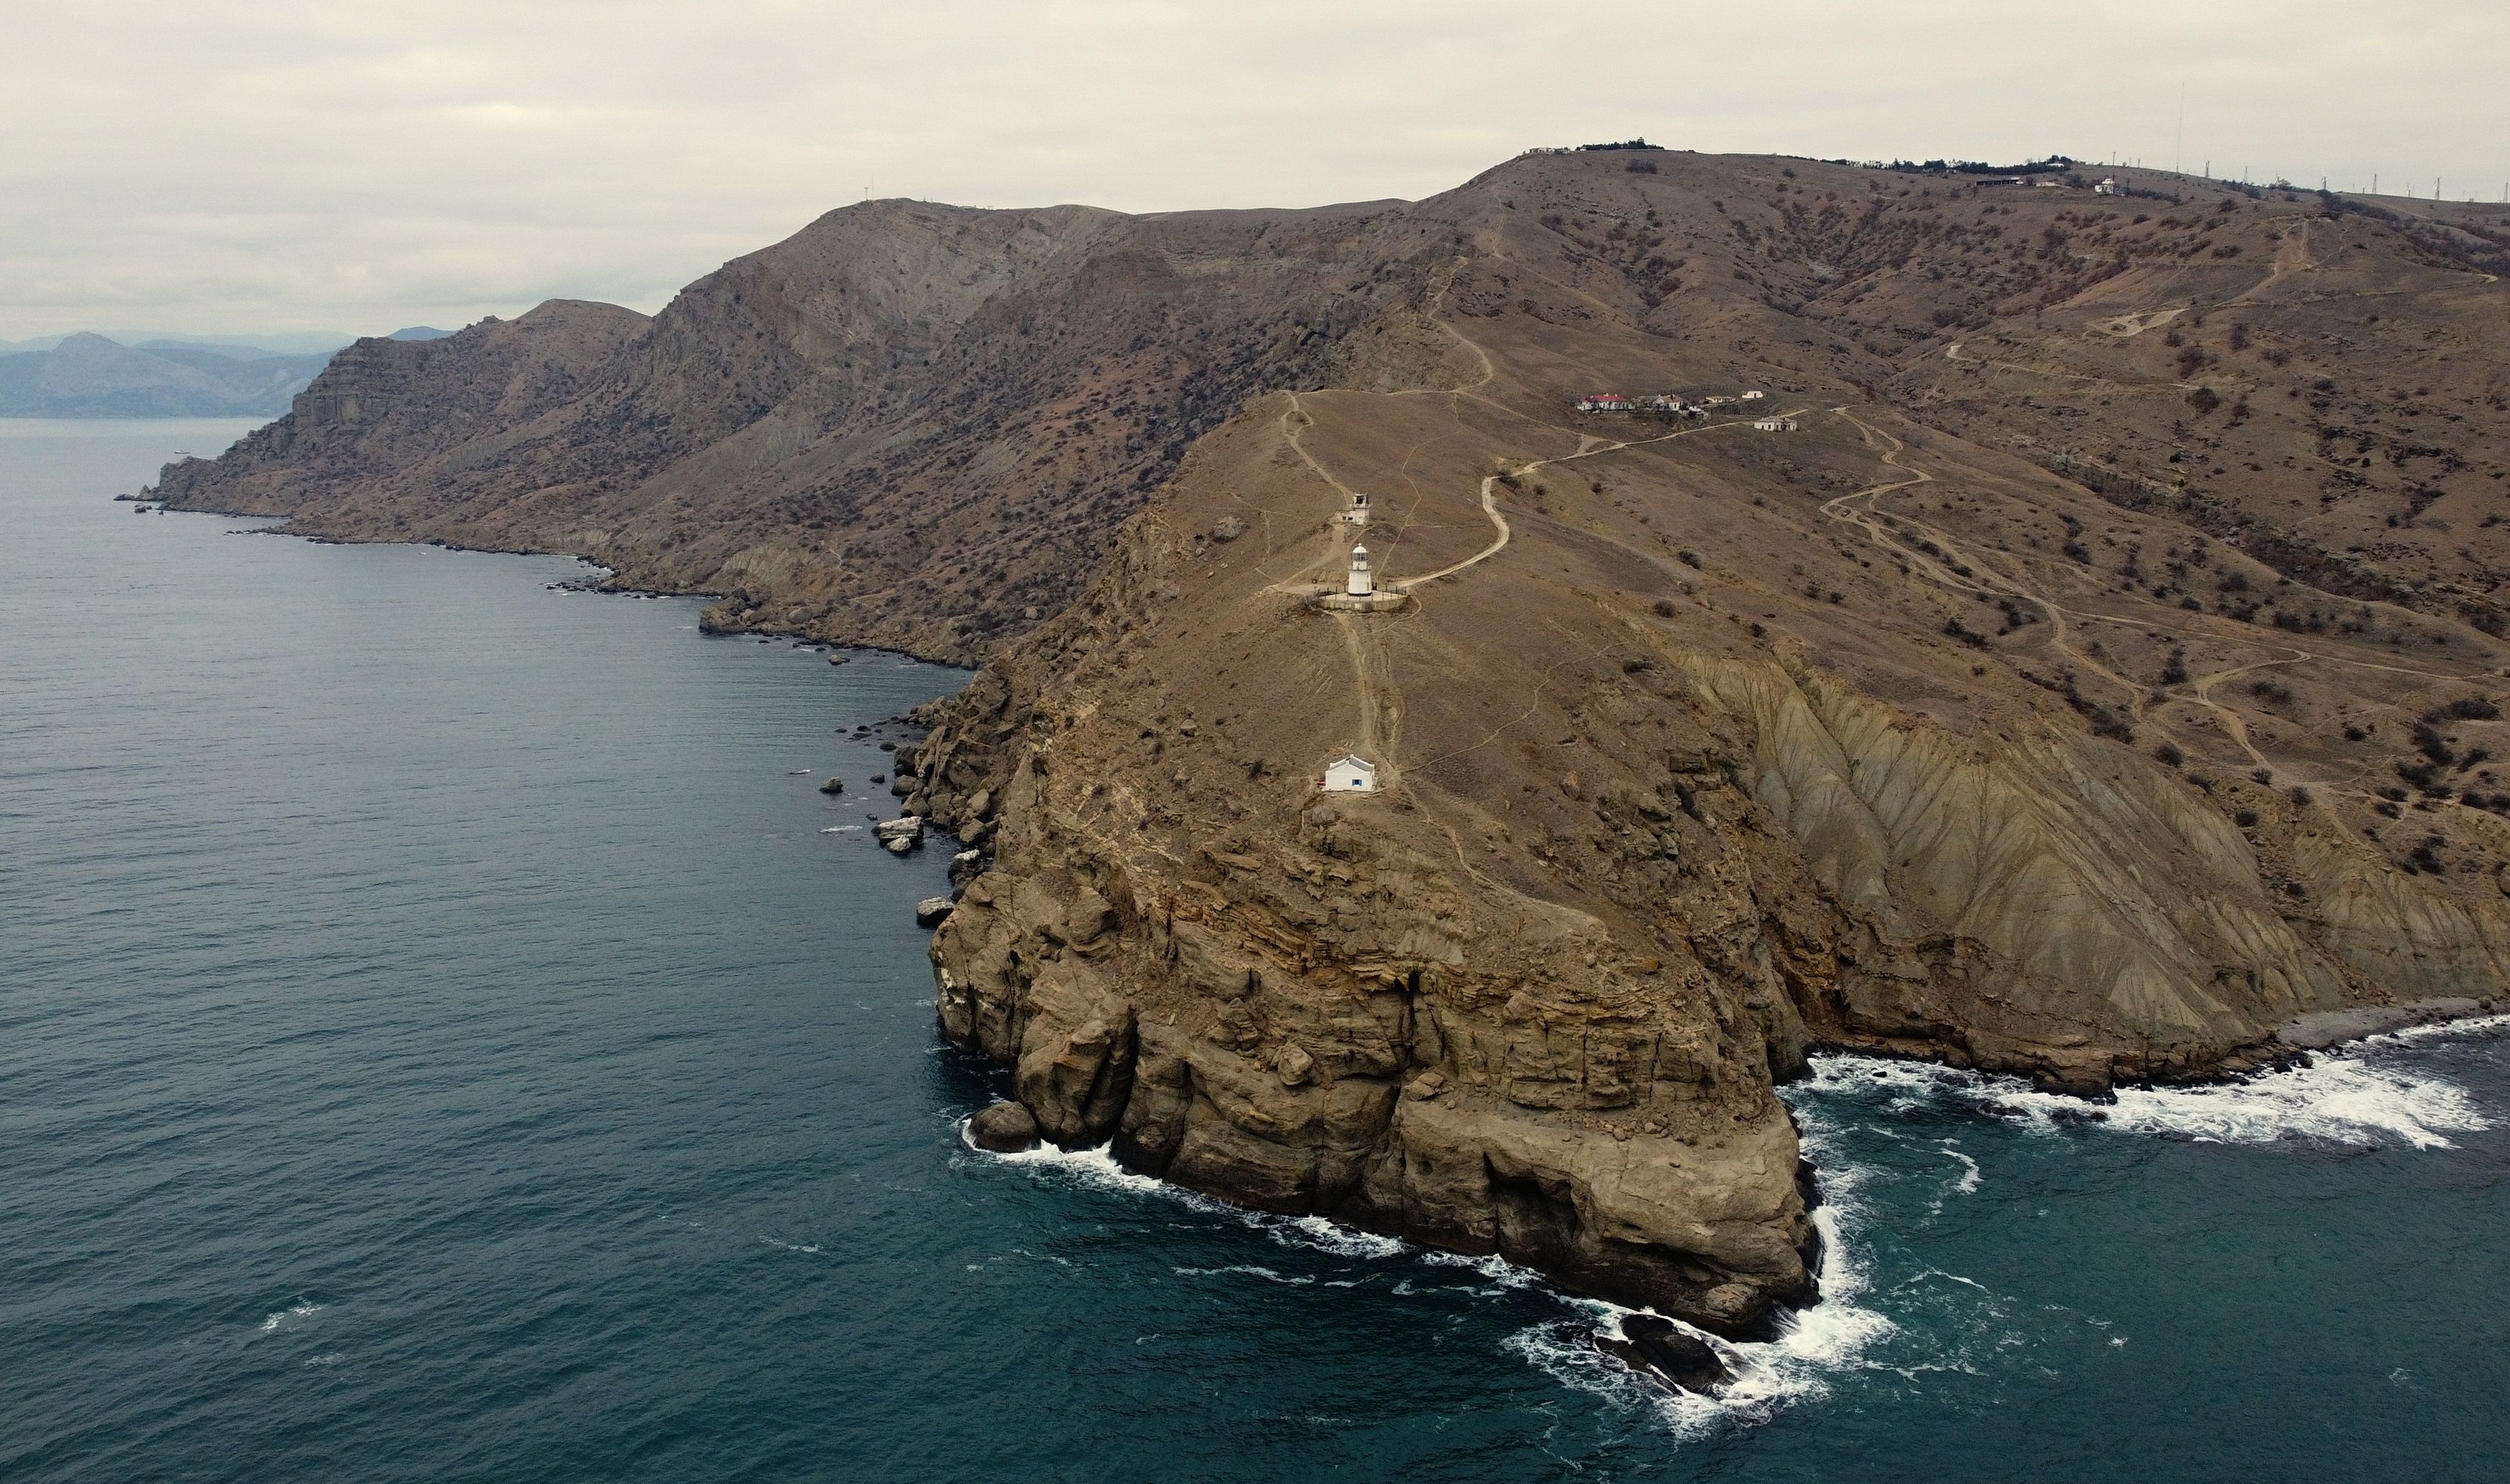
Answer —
(224, 167)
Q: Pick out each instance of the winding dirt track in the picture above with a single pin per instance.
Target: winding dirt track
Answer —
(1859, 508)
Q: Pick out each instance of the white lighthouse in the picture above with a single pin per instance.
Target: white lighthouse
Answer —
(1362, 582)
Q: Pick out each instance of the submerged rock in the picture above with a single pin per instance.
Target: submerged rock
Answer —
(833, 786)
(1005, 1128)
(1656, 1349)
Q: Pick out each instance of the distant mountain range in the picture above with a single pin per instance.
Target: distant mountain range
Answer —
(91, 376)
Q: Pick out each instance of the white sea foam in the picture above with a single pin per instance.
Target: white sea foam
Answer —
(300, 1310)
(1503, 1274)
(1097, 1167)
(1250, 1270)
(839, 828)
(2443, 1031)
(1810, 1343)
(1326, 1236)
(1969, 1180)
(2339, 1099)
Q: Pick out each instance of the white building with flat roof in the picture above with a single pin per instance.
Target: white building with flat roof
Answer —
(1350, 773)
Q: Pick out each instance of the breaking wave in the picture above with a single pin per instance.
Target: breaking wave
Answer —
(1811, 1344)
(2353, 1098)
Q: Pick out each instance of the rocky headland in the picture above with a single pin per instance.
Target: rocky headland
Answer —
(2090, 674)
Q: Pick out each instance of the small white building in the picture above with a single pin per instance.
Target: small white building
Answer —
(1362, 581)
(1776, 425)
(1604, 401)
(1357, 514)
(2109, 186)
(1754, 396)
(1350, 773)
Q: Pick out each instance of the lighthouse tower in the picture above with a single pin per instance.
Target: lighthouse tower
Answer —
(1362, 582)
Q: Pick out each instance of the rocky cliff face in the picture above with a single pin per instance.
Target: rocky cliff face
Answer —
(2060, 686)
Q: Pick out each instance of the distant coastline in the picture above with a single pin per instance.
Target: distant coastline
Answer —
(151, 374)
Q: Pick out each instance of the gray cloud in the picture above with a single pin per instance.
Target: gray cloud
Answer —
(272, 166)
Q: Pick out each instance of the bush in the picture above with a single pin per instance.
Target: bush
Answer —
(2170, 755)
(1688, 557)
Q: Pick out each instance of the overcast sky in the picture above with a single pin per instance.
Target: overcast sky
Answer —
(288, 165)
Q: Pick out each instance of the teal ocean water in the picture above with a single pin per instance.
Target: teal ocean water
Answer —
(445, 1035)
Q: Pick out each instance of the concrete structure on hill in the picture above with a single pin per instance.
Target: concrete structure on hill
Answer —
(1350, 773)
(1357, 514)
(1604, 401)
(1776, 425)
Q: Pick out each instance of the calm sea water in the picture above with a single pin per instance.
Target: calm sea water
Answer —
(440, 1039)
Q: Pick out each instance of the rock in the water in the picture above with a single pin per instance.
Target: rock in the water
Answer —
(1654, 1347)
(901, 844)
(930, 911)
(880, 778)
(836, 659)
(965, 867)
(906, 831)
(833, 786)
(1005, 1128)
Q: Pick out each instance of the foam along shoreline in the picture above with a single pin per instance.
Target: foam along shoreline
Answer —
(2353, 1098)
(2325, 1029)
(1767, 1374)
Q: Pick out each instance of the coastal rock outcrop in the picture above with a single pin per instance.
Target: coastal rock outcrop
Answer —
(1656, 1347)
(1004, 1127)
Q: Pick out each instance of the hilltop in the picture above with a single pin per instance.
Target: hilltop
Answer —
(2099, 680)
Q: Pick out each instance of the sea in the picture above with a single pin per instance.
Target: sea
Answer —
(446, 1035)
